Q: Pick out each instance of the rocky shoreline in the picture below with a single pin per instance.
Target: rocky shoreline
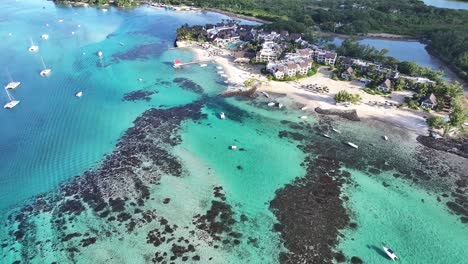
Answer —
(457, 147)
(347, 114)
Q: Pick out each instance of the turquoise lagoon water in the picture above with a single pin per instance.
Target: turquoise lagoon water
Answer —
(52, 136)
(401, 50)
(447, 4)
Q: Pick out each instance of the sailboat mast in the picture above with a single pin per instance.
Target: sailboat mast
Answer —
(9, 75)
(43, 64)
(10, 97)
(32, 43)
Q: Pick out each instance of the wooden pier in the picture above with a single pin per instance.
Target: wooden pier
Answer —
(179, 65)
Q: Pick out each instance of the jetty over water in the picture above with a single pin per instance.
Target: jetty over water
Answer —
(180, 64)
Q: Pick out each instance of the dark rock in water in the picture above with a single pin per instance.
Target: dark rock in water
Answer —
(196, 258)
(88, 241)
(356, 260)
(138, 95)
(70, 236)
(166, 200)
(353, 225)
(310, 213)
(72, 207)
(458, 147)
(339, 257)
(140, 52)
(118, 205)
(292, 135)
(188, 85)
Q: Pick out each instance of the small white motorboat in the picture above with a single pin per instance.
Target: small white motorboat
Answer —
(219, 68)
(203, 65)
(10, 34)
(226, 81)
(33, 48)
(60, 20)
(79, 25)
(79, 94)
(105, 10)
(303, 117)
(271, 104)
(304, 108)
(266, 94)
(390, 253)
(326, 135)
(385, 138)
(73, 33)
(140, 79)
(121, 44)
(224, 75)
(45, 36)
(47, 24)
(222, 116)
(279, 105)
(336, 130)
(99, 54)
(220, 72)
(352, 145)
(233, 147)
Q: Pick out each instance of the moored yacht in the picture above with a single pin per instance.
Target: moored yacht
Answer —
(385, 138)
(390, 253)
(33, 48)
(45, 36)
(45, 71)
(12, 84)
(12, 102)
(222, 116)
(203, 65)
(99, 54)
(352, 145)
(79, 94)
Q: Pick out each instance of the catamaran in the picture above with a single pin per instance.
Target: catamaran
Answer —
(12, 84)
(33, 48)
(12, 102)
(45, 71)
(390, 253)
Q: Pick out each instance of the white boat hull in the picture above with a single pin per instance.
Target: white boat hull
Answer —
(45, 72)
(12, 85)
(390, 253)
(11, 104)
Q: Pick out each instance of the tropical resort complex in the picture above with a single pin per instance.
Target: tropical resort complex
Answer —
(287, 58)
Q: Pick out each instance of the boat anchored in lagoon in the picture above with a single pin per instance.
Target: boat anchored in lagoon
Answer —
(12, 103)
(33, 48)
(79, 94)
(390, 253)
(222, 116)
(12, 84)
(45, 71)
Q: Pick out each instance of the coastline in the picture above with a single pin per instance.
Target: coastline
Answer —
(232, 14)
(410, 120)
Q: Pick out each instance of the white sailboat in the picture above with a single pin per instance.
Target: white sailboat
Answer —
(12, 102)
(79, 94)
(33, 48)
(99, 54)
(45, 71)
(12, 84)
(222, 116)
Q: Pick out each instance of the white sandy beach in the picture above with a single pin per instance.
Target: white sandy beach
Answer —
(404, 118)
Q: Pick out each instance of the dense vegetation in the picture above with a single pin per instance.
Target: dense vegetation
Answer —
(343, 96)
(120, 3)
(445, 30)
